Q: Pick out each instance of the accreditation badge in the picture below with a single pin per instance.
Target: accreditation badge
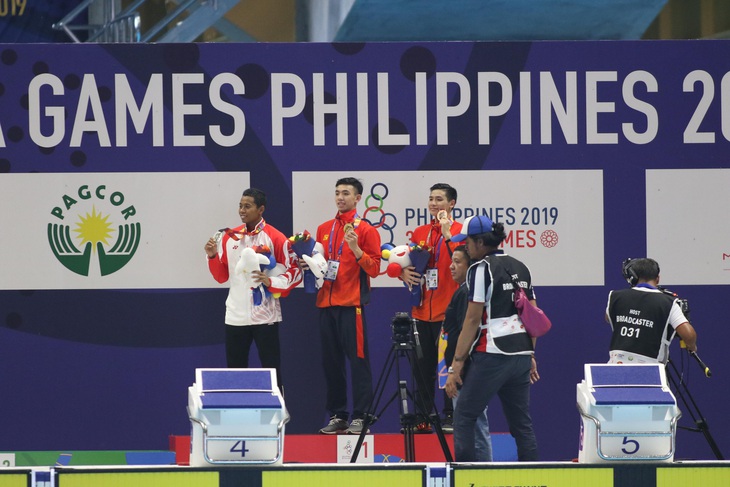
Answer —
(432, 278)
(332, 267)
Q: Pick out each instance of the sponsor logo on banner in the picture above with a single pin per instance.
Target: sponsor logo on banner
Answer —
(114, 230)
(95, 222)
(553, 219)
(375, 213)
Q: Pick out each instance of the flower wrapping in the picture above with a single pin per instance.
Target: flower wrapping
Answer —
(303, 245)
(261, 292)
(419, 256)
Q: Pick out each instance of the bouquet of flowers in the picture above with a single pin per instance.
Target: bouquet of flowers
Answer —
(305, 246)
(250, 262)
(402, 256)
(266, 261)
(419, 256)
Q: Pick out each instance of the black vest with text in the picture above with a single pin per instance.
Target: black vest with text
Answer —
(640, 321)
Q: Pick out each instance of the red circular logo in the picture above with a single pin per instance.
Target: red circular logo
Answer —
(549, 238)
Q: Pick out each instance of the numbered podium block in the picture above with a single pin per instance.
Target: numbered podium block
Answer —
(237, 417)
(628, 413)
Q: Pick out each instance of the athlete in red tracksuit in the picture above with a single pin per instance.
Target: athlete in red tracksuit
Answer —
(437, 288)
(352, 250)
(246, 321)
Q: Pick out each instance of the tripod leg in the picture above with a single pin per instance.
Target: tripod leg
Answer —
(370, 416)
(681, 390)
(432, 419)
(408, 421)
(436, 422)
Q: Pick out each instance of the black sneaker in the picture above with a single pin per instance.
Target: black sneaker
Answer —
(336, 426)
(447, 424)
(420, 429)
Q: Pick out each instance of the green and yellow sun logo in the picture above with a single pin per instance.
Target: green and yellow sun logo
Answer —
(94, 232)
(94, 228)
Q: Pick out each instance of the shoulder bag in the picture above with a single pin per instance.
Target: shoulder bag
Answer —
(535, 320)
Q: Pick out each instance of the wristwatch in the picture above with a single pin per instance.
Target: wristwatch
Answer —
(450, 370)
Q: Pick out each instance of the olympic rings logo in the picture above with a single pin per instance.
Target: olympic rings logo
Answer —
(374, 203)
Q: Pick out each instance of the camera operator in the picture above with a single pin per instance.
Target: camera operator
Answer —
(645, 318)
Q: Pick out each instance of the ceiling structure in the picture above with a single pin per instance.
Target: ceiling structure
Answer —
(507, 20)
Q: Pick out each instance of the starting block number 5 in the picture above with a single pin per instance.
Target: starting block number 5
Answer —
(632, 446)
(649, 446)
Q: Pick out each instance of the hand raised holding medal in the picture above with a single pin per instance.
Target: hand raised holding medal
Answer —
(443, 218)
(352, 240)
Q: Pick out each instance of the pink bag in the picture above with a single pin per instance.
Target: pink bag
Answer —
(535, 321)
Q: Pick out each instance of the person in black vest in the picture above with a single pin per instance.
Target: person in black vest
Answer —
(499, 350)
(644, 318)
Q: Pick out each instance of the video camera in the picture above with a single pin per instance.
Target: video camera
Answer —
(402, 326)
(683, 303)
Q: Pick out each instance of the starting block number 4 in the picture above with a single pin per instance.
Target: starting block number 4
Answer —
(240, 447)
(242, 450)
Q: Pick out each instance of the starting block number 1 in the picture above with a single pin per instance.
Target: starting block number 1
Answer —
(346, 447)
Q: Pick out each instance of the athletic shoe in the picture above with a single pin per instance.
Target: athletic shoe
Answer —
(420, 428)
(356, 427)
(447, 424)
(423, 428)
(336, 426)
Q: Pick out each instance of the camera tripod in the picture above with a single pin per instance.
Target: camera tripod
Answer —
(408, 419)
(680, 389)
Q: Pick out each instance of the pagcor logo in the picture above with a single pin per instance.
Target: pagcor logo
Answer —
(86, 221)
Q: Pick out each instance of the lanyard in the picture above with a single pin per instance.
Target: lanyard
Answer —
(244, 231)
(332, 231)
(437, 246)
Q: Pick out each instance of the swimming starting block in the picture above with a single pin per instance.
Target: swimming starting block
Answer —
(628, 413)
(237, 417)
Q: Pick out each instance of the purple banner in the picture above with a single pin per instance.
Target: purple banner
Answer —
(109, 369)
